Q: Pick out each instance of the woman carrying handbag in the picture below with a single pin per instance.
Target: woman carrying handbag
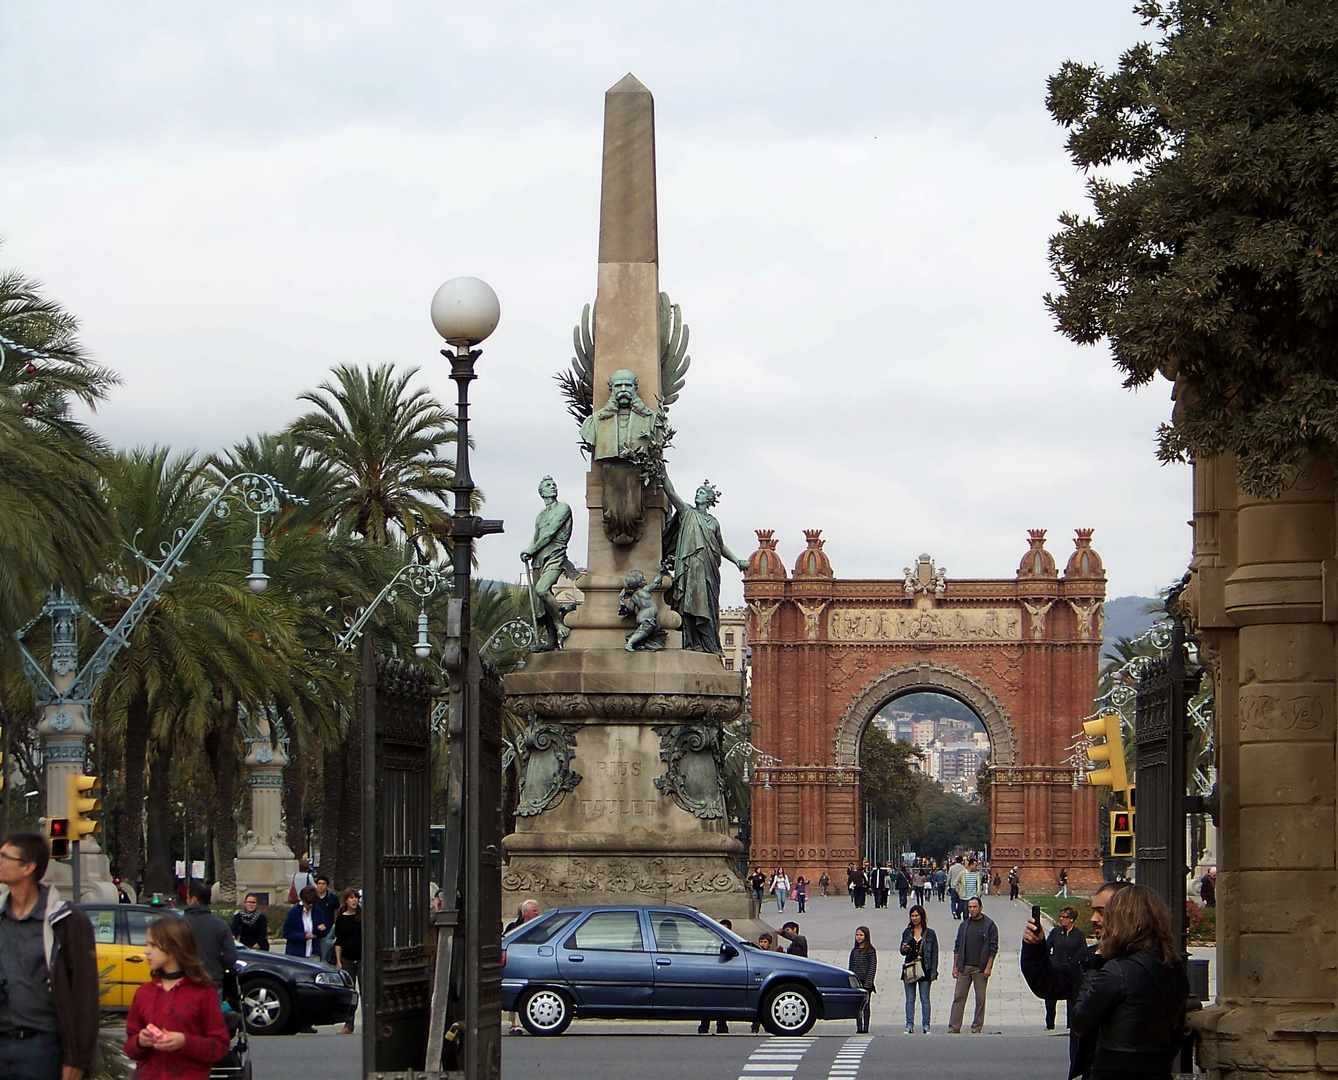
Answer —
(919, 966)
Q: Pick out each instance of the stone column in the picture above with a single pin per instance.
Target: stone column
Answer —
(64, 730)
(1264, 600)
(265, 863)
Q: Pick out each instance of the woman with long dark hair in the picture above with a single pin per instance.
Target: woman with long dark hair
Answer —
(919, 965)
(175, 1027)
(1135, 1002)
(348, 946)
(864, 966)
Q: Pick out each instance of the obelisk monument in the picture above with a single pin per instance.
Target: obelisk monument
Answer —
(622, 795)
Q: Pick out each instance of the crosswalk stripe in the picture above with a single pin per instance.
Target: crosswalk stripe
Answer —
(776, 1059)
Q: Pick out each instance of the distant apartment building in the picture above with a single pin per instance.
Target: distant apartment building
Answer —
(734, 638)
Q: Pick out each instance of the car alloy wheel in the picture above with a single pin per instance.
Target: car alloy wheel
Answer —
(266, 1007)
(789, 1010)
(545, 1012)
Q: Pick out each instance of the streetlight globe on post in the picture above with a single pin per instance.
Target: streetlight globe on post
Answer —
(465, 311)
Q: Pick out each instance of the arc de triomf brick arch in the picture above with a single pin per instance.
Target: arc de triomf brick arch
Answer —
(1023, 653)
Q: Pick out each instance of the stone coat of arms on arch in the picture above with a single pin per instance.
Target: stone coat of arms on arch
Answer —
(545, 751)
(694, 777)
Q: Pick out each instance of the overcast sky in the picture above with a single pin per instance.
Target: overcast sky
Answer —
(855, 202)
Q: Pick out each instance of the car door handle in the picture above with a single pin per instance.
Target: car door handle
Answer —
(134, 959)
(662, 961)
(576, 958)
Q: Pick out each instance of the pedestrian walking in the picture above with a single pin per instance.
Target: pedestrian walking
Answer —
(919, 966)
(250, 927)
(941, 883)
(301, 880)
(880, 879)
(798, 943)
(302, 927)
(1066, 943)
(529, 909)
(903, 884)
(859, 887)
(757, 882)
(954, 881)
(970, 884)
(1048, 977)
(213, 937)
(347, 948)
(175, 1028)
(1208, 888)
(918, 885)
(1063, 884)
(1014, 883)
(973, 955)
(864, 966)
(800, 893)
(48, 960)
(823, 882)
(328, 905)
(780, 887)
(1135, 1002)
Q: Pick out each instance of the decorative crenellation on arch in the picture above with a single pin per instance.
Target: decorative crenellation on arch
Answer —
(925, 677)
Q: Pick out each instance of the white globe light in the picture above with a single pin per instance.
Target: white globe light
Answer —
(465, 311)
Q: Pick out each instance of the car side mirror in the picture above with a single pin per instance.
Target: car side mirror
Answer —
(728, 951)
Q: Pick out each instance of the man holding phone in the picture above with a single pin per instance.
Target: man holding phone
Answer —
(1062, 977)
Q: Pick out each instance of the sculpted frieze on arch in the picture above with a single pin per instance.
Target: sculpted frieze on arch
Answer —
(575, 706)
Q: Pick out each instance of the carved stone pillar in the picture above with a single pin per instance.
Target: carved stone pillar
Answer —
(265, 863)
(1264, 605)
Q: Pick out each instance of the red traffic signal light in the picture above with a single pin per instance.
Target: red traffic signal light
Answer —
(1122, 834)
(58, 834)
(1121, 822)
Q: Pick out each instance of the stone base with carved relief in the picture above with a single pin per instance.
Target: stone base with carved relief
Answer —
(1300, 1043)
(621, 792)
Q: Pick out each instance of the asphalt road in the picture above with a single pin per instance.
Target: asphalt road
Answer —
(831, 1052)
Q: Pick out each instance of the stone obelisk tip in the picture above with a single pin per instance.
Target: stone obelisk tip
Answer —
(628, 84)
(627, 216)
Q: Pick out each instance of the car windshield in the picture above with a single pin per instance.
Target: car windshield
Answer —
(723, 931)
(542, 929)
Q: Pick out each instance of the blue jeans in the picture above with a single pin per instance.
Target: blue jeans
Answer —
(924, 985)
(35, 1058)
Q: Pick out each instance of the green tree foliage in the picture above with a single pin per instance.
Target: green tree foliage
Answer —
(888, 784)
(948, 822)
(1214, 262)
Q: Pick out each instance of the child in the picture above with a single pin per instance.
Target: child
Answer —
(175, 1029)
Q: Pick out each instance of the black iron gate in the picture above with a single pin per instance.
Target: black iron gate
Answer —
(1161, 735)
(395, 705)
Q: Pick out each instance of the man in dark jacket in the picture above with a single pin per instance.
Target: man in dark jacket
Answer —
(213, 937)
(1066, 943)
(1048, 978)
(798, 943)
(49, 961)
(973, 955)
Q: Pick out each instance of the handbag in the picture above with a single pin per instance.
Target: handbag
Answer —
(912, 972)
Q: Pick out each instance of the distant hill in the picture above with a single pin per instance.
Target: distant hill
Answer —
(1125, 617)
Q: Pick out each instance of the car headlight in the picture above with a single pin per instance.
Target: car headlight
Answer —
(337, 979)
(855, 983)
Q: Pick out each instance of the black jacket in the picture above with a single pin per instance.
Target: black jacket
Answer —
(1066, 947)
(798, 942)
(1135, 1005)
(1062, 978)
(218, 948)
(864, 966)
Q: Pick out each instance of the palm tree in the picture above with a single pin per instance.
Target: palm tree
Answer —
(384, 441)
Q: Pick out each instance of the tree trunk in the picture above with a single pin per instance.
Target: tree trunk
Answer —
(158, 876)
(294, 790)
(221, 747)
(349, 796)
(131, 840)
(332, 784)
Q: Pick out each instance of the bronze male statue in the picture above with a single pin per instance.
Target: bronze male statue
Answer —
(547, 559)
(626, 437)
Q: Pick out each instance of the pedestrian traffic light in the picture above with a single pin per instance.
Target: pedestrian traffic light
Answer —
(1122, 834)
(83, 800)
(58, 833)
(1110, 752)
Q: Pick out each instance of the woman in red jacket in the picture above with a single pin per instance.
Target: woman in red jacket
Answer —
(175, 1029)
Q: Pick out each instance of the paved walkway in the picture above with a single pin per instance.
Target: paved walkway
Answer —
(829, 924)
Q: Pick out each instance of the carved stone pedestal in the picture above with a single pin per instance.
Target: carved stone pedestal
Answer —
(265, 864)
(622, 797)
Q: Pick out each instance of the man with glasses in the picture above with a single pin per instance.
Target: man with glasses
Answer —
(1062, 977)
(48, 971)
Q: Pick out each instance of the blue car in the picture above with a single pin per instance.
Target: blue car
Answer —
(631, 962)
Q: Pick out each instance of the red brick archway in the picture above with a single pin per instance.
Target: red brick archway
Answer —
(1023, 653)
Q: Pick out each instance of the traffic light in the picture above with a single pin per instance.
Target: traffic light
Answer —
(58, 833)
(83, 800)
(1110, 752)
(1122, 834)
